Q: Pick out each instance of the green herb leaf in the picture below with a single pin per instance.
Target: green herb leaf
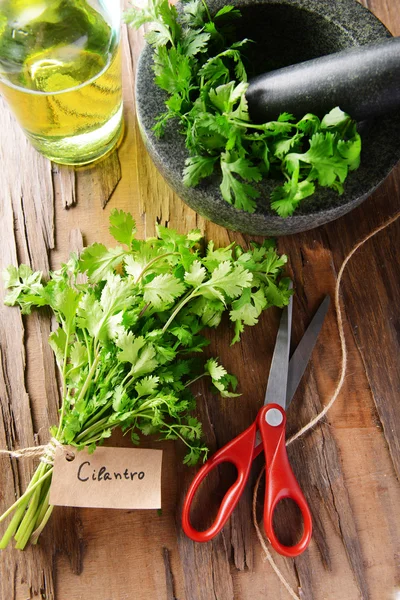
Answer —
(241, 195)
(196, 168)
(98, 262)
(163, 290)
(215, 370)
(123, 226)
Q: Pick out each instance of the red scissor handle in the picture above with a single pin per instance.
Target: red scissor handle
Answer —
(240, 452)
(280, 480)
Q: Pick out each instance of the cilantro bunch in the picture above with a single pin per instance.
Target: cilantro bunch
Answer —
(199, 64)
(130, 326)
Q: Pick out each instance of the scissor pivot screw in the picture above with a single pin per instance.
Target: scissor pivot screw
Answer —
(274, 417)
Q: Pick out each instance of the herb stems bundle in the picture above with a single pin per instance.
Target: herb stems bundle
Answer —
(128, 335)
(200, 64)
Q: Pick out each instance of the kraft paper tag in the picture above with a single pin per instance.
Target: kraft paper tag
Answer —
(108, 478)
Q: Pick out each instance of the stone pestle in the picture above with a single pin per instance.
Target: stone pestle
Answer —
(363, 81)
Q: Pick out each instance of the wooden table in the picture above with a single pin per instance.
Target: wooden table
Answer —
(348, 466)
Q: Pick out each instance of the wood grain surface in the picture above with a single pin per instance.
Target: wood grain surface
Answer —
(348, 466)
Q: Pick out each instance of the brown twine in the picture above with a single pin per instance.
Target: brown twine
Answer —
(326, 408)
(45, 452)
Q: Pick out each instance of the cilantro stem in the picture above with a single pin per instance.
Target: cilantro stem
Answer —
(36, 533)
(88, 378)
(64, 370)
(44, 503)
(195, 379)
(203, 98)
(28, 522)
(92, 429)
(97, 438)
(249, 125)
(89, 350)
(96, 415)
(13, 526)
(20, 505)
(64, 382)
(154, 260)
(207, 11)
(126, 378)
(145, 307)
(28, 493)
(189, 296)
(173, 429)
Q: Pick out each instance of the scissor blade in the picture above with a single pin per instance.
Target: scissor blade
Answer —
(302, 354)
(278, 375)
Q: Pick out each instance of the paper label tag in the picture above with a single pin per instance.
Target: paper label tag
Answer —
(108, 478)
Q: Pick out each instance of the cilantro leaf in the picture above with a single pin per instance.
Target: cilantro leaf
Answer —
(90, 314)
(25, 288)
(64, 302)
(163, 290)
(194, 14)
(248, 307)
(196, 274)
(117, 294)
(215, 370)
(163, 19)
(146, 363)
(225, 11)
(97, 261)
(335, 118)
(172, 71)
(58, 342)
(241, 195)
(325, 162)
(224, 97)
(123, 226)
(194, 41)
(196, 168)
(130, 346)
(287, 197)
(147, 386)
(227, 279)
(350, 150)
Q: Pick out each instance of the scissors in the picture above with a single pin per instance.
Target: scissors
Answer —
(267, 434)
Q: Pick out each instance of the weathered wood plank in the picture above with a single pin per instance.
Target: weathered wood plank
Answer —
(374, 283)
(27, 223)
(64, 183)
(98, 182)
(20, 208)
(168, 575)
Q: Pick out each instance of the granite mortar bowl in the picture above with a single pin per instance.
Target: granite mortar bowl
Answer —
(285, 32)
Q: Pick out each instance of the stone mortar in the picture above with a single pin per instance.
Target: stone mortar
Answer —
(285, 32)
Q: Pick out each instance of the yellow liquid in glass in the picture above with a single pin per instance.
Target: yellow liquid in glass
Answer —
(60, 71)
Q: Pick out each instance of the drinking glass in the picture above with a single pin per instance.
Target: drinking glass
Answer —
(60, 72)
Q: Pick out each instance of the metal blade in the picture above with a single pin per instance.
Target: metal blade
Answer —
(278, 375)
(302, 354)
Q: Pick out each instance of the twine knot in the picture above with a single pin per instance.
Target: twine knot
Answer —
(46, 452)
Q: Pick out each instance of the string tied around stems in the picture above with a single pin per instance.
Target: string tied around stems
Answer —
(45, 452)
